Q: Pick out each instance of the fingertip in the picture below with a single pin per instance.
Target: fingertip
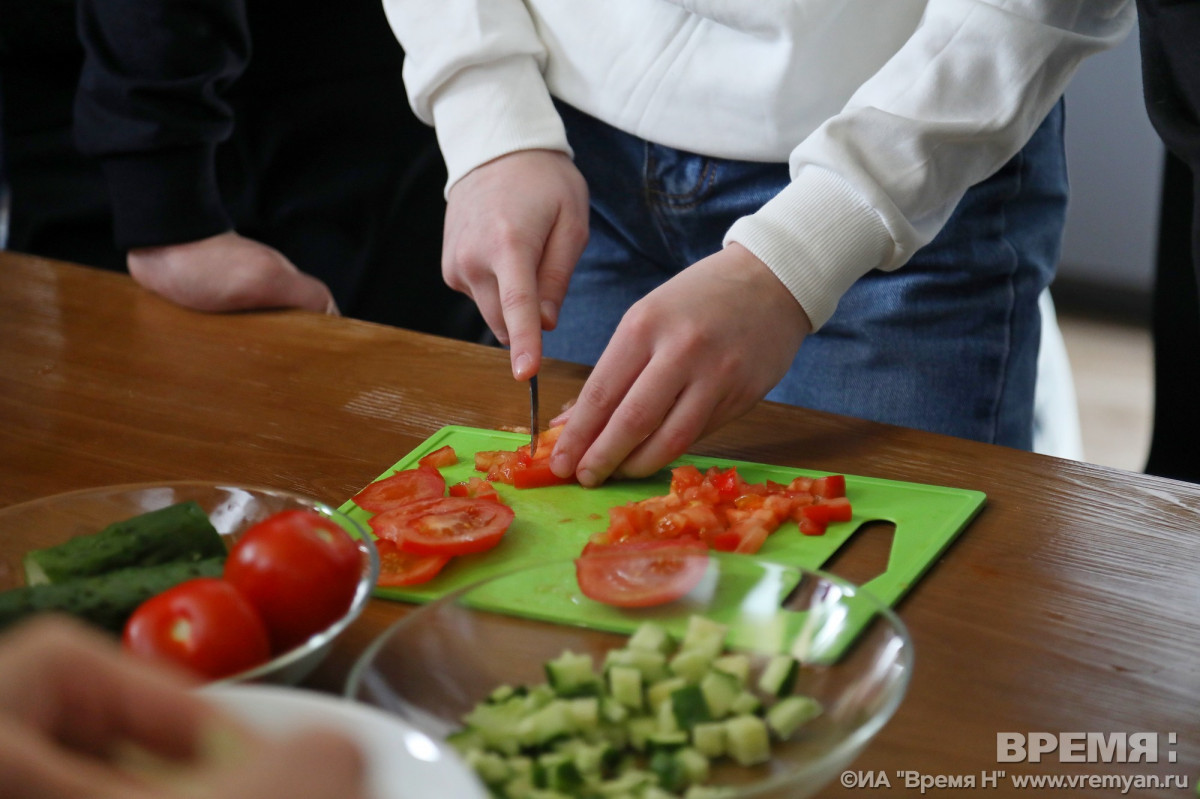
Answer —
(549, 313)
(523, 366)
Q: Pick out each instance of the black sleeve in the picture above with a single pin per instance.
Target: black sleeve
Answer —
(149, 106)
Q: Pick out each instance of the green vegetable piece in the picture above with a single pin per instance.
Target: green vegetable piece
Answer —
(106, 600)
(180, 532)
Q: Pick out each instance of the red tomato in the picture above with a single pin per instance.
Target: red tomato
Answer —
(475, 487)
(640, 574)
(536, 474)
(520, 469)
(399, 568)
(828, 510)
(443, 456)
(401, 488)
(299, 569)
(203, 624)
(829, 487)
(448, 526)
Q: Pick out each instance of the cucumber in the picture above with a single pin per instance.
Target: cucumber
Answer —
(648, 724)
(787, 715)
(571, 675)
(180, 532)
(105, 600)
(779, 677)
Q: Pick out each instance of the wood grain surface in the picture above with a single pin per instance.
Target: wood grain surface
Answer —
(1069, 605)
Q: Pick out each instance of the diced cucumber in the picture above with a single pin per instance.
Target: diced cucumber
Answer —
(623, 735)
(704, 635)
(669, 771)
(745, 703)
(661, 691)
(652, 665)
(640, 729)
(625, 685)
(689, 707)
(650, 637)
(106, 600)
(779, 675)
(737, 665)
(666, 741)
(720, 689)
(695, 764)
(180, 532)
(545, 724)
(746, 740)
(690, 664)
(557, 771)
(789, 713)
(572, 675)
(492, 768)
(709, 738)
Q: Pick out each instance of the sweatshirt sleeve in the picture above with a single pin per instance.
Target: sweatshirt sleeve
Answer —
(878, 180)
(149, 107)
(474, 71)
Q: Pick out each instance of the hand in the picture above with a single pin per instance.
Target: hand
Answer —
(227, 272)
(693, 354)
(72, 706)
(515, 227)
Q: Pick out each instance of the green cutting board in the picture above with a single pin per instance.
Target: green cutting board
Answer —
(554, 523)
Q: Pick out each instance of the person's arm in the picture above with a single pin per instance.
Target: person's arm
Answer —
(150, 108)
(869, 187)
(516, 217)
(877, 181)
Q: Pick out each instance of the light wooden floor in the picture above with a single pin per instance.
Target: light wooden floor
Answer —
(1112, 365)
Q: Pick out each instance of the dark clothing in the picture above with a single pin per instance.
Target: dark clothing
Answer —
(1170, 42)
(286, 121)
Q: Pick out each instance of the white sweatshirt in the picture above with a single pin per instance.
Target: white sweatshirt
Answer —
(886, 111)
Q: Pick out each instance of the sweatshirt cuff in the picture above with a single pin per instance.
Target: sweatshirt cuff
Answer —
(488, 111)
(165, 197)
(818, 236)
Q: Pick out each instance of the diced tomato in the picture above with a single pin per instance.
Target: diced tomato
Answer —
(685, 477)
(439, 458)
(828, 510)
(536, 474)
(641, 573)
(477, 488)
(831, 486)
(400, 489)
(447, 526)
(399, 568)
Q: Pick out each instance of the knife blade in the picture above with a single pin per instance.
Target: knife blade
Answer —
(533, 415)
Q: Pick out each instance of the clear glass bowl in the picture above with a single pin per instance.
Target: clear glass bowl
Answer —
(439, 661)
(232, 509)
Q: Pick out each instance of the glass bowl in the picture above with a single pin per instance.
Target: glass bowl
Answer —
(232, 509)
(854, 654)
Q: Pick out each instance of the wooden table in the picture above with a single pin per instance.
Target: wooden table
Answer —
(1071, 604)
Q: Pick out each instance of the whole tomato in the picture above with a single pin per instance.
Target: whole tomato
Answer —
(299, 569)
(203, 624)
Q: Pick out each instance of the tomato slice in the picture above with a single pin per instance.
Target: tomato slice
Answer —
(443, 456)
(401, 488)
(446, 526)
(399, 568)
(639, 574)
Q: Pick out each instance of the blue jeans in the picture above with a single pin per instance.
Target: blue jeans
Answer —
(948, 343)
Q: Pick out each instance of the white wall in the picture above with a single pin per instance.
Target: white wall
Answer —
(1115, 163)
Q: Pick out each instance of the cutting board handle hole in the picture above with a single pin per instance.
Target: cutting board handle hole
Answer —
(865, 554)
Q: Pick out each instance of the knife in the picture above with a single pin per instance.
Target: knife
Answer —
(533, 415)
